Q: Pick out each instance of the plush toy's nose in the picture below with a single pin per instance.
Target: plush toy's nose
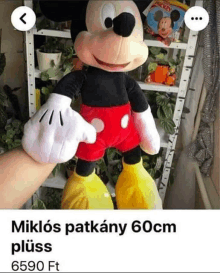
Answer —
(124, 24)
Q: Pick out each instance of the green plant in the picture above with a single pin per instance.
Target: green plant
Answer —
(46, 91)
(163, 105)
(11, 135)
(38, 204)
(71, 164)
(51, 197)
(51, 46)
(153, 164)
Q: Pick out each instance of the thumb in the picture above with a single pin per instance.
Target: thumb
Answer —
(89, 134)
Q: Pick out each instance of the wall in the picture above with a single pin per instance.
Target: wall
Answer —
(12, 46)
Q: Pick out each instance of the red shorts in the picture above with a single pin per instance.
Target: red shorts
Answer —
(115, 128)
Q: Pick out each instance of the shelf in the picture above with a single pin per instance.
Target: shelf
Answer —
(52, 33)
(160, 44)
(158, 87)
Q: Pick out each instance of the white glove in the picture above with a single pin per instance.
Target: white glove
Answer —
(53, 134)
(150, 139)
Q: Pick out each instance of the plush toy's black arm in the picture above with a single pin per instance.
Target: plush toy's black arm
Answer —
(71, 84)
(135, 94)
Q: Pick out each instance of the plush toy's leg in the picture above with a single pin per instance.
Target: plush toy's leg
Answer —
(85, 190)
(135, 188)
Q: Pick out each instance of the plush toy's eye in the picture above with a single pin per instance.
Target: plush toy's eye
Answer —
(108, 14)
(108, 22)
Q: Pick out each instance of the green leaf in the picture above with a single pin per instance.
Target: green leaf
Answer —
(160, 56)
(151, 172)
(167, 110)
(157, 174)
(173, 99)
(51, 72)
(10, 133)
(161, 100)
(15, 145)
(43, 24)
(155, 50)
(4, 137)
(45, 90)
(67, 71)
(160, 113)
(158, 163)
(163, 62)
(111, 154)
(16, 123)
(168, 125)
(152, 67)
(17, 141)
(115, 178)
(9, 141)
(38, 204)
(44, 76)
(172, 62)
(56, 169)
(146, 165)
(8, 127)
(146, 157)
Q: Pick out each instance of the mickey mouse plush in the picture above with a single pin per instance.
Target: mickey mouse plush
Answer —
(114, 110)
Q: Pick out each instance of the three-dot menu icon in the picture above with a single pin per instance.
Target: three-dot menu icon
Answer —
(196, 18)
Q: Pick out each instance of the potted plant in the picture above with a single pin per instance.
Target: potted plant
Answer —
(11, 130)
(65, 66)
(162, 107)
(49, 54)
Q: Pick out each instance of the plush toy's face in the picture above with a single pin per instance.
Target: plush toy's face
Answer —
(165, 27)
(114, 40)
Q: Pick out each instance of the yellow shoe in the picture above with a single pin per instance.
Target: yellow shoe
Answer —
(136, 189)
(86, 193)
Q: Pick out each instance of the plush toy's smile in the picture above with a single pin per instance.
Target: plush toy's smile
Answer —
(111, 66)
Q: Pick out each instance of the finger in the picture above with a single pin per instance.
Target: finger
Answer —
(89, 134)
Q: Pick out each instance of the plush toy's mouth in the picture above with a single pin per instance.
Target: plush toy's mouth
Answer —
(111, 66)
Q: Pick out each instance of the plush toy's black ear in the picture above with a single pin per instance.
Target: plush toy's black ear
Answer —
(62, 10)
(158, 15)
(142, 5)
(175, 15)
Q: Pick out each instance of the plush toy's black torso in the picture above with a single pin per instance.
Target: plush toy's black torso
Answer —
(100, 88)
